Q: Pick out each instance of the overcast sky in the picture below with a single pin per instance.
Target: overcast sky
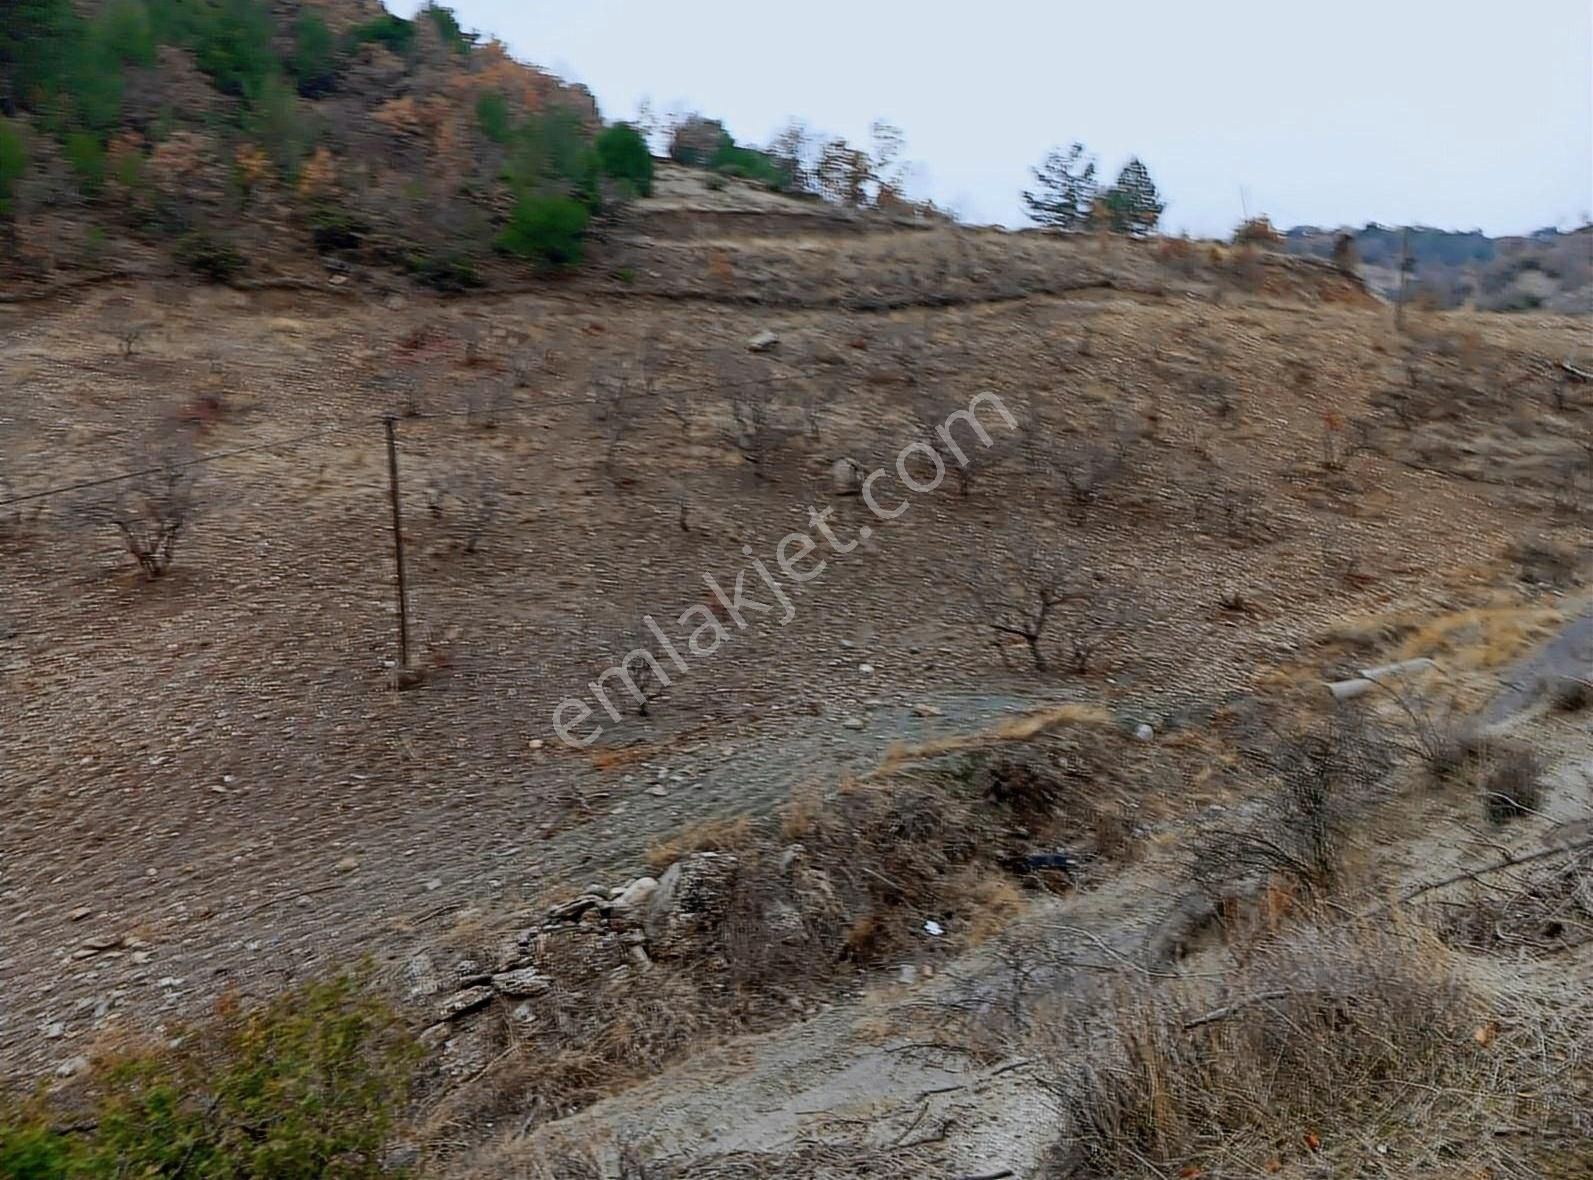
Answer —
(1458, 113)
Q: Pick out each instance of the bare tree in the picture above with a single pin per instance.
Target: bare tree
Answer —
(125, 326)
(467, 501)
(1083, 466)
(1031, 591)
(957, 433)
(152, 510)
(486, 403)
(612, 408)
(757, 430)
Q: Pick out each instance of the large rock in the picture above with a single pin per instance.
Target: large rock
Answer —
(846, 478)
(631, 902)
(688, 907)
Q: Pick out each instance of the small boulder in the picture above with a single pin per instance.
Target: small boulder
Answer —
(632, 900)
(460, 1003)
(764, 341)
(846, 478)
(573, 911)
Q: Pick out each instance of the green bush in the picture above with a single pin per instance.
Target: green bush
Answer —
(210, 257)
(125, 34)
(449, 273)
(448, 28)
(276, 119)
(547, 229)
(314, 59)
(548, 149)
(305, 1088)
(392, 31)
(492, 114)
(625, 157)
(335, 229)
(86, 155)
(31, 1150)
(232, 44)
(731, 160)
(13, 165)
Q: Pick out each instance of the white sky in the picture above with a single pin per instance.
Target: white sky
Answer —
(1458, 113)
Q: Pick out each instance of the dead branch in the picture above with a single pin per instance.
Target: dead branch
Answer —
(1497, 866)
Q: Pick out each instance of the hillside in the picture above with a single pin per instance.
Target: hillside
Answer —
(244, 140)
(1548, 269)
(813, 691)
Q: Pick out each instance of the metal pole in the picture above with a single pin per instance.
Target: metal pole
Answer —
(398, 546)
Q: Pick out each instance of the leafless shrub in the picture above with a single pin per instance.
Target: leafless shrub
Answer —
(757, 429)
(1019, 594)
(814, 399)
(1572, 477)
(486, 403)
(1548, 913)
(613, 407)
(965, 454)
(403, 391)
(636, 671)
(1083, 466)
(472, 344)
(1340, 566)
(1436, 732)
(125, 326)
(1510, 775)
(1217, 392)
(15, 518)
(1321, 775)
(1541, 561)
(467, 501)
(151, 511)
(1242, 510)
(1335, 444)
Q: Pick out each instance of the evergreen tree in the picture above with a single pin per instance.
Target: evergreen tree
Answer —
(1132, 205)
(1066, 191)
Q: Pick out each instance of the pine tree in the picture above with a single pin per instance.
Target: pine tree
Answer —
(1066, 191)
(1132, 205)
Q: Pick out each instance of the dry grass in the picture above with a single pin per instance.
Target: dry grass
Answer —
(1480, 639)
(711, 835)
(1017, 729)
(1331, 1043)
